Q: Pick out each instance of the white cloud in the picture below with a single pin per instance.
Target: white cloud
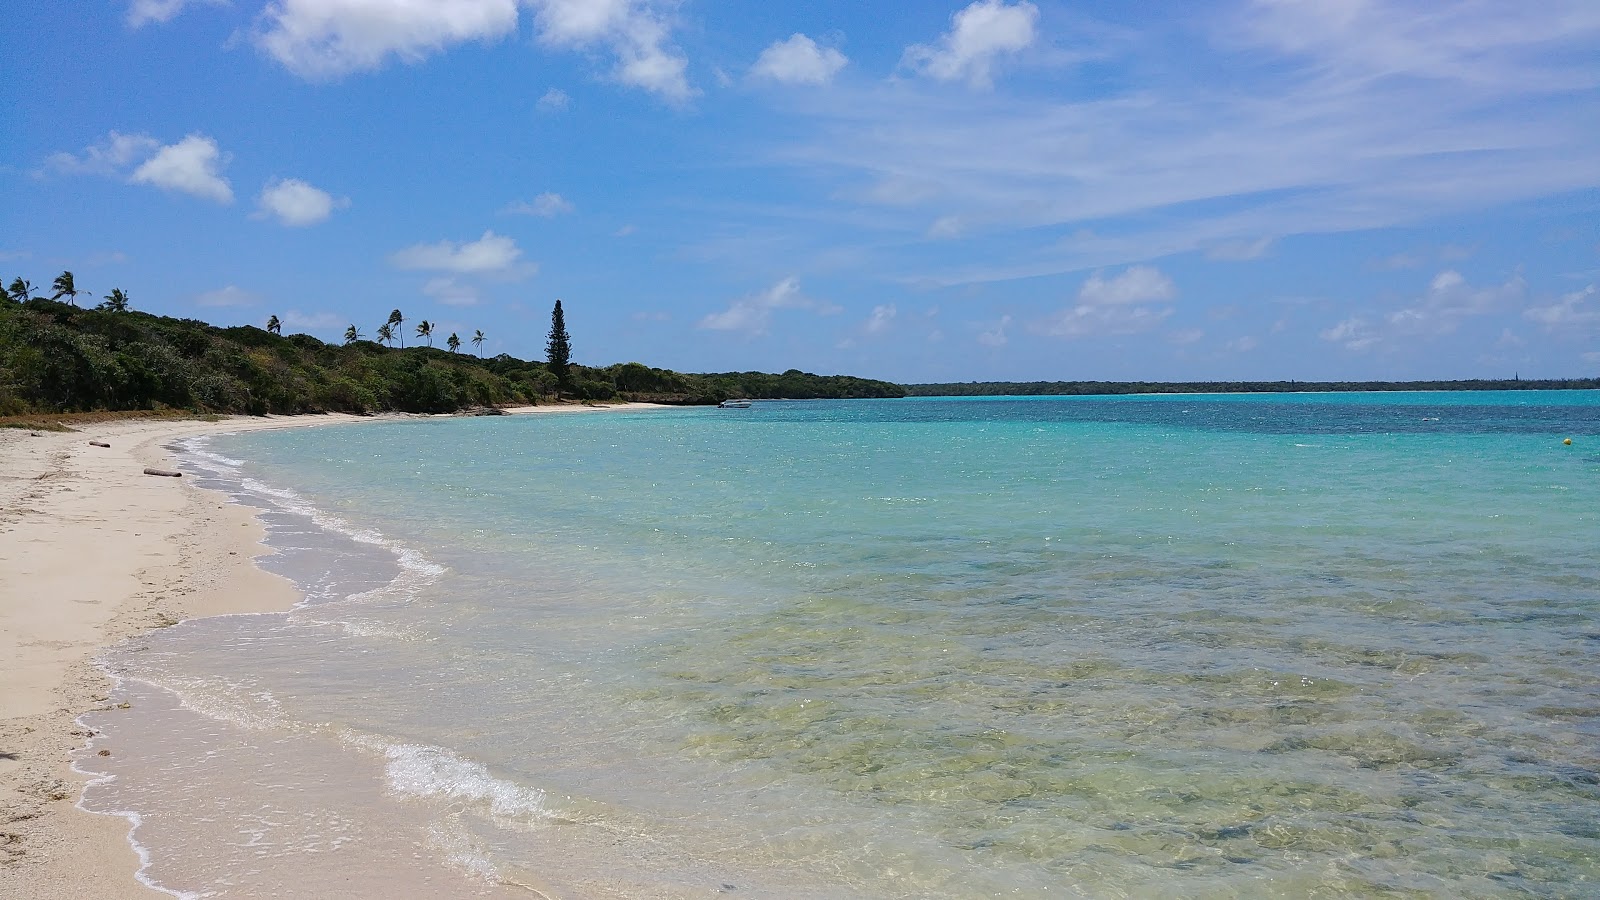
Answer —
(753, 315)
(112, 155)
(297, 204)
(554, 100)
(319, 39)
(489, 254)
(945, 227)
(624, 231)
(143, 12)
(882, 317)
(1240, 251)
(547, 205)
(637, 35)
(1353, 334)
(295, 320)
(1243, 344)
(995, 336)
(978, 35)
(1574, 310)
(451, 292)
(191, 166)
(1178, 160)
(1185, 336)
(227, 296)
(1449, 300)
(798, 60)
(1114, 305)
(1138, 284)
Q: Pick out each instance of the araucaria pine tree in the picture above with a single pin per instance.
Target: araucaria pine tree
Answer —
(558, 350)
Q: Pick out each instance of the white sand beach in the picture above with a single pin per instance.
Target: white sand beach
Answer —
(93, 551)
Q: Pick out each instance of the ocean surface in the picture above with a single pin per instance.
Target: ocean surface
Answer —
(1186, 646)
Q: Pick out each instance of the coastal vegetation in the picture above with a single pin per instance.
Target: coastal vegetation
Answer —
(56, 357)
(1088, 388)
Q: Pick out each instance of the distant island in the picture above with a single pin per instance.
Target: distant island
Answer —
(58, 357)
(1090, 388)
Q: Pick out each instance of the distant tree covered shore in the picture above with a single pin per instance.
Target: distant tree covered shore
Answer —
(1087, 388)
(58, 357)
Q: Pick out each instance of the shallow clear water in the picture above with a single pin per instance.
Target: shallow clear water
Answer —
(1188, 645)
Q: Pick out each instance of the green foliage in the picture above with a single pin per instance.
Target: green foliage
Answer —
(558, 349)
(55, 357)
(1075, 388)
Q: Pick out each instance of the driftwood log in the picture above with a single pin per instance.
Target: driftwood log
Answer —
(98, 444)
(166, 472)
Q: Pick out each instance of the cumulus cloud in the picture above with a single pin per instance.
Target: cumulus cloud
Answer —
(295, 320)
(111, 155)
(321, 39)
(978, 36)
(546, 205)
(191, 166)
(1449, 300)
(1113, 305)
(635, 33)
(297, 204)
(489, 254)
(753, 315)
(798, 60)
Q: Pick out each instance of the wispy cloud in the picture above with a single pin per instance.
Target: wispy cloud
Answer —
(1350, 132)
(752, 315)
(546, 205)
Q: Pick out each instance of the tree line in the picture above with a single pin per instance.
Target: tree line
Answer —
(56, 356)
(1090, 388)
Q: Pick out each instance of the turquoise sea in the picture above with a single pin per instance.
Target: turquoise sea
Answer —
(1183, 646)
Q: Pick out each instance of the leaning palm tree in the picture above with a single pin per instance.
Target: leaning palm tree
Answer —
(116, 301)
(21, 289)
(454, 343)
(352, 334)
(395, 322)
(425, 330)
(274, 326)
(385, 334)
(477, 341)
(64, 287)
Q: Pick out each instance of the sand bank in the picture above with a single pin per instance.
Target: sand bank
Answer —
(93, 551)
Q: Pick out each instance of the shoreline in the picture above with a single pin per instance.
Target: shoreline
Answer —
(93, 552)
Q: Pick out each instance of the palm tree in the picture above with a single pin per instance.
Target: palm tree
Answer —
(477, 341)
(21, 290)
(116, 301)
(273, 325)
(352, 334)
(64, 287)
(395, 321)
(425, 330)
(385, 334)
(454, 343)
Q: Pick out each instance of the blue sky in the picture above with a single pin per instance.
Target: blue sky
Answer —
(913, 191)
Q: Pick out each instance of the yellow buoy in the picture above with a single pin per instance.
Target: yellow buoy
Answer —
(1568, 442)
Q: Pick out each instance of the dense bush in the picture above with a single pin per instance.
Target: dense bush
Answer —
(60, 358)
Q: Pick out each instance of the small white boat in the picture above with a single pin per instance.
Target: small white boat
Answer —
(734, 404)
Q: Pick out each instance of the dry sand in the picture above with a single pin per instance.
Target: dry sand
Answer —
(93, 551)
